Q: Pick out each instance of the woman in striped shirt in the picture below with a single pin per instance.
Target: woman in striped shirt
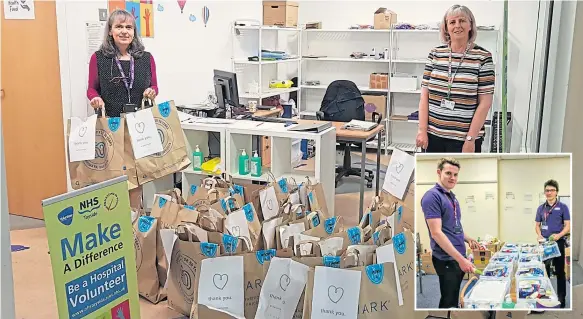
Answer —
(457, 88)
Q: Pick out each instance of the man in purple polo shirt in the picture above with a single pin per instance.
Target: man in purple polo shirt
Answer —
(553, 222)
(443, 218)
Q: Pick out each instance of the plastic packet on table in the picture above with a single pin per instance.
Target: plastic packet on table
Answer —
(529, 258)
(487, 294)
(529, 246)
(550, 249)
(529, 250)
(535, 270)
(511, 245)
(497, 270)
(533, 289)
(501, 257)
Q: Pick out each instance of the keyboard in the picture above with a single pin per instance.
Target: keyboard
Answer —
(273, 119)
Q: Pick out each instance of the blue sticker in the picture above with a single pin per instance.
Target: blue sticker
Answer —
(224, 205)
(331, 261)
(145, 223)
(161, 201)
(209, 249)
(248, 212)
(316, 220)
(264, 255)
(193, 189)
(370, 219)
(66, 216)
(113, 123)
(375, 273)
(189, 207)
(399, 242)
(375, 238)
(399, 213)
(237, 189)
(230, 243)
(311, 197)
(283, 185)
(164, 109)
(232, 204)
(329, 225)
(354, 235)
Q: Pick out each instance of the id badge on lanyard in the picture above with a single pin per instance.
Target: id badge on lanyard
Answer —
(448, 103)
(457, 228)
(129, 85)
(545, 225)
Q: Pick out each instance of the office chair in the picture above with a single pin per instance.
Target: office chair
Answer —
(343, 102)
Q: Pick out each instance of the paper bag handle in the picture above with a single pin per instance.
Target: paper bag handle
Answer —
(148, 100)
(215, 228)
(102, 109)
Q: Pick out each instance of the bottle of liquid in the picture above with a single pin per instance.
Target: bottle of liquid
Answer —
(197, 159)
(243, 163)
(255, 165)
(373, 53)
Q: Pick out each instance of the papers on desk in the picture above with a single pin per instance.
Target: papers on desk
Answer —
(209, 120)
(184, 116)
(356, 125)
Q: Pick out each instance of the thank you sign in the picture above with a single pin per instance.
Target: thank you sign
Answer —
(92, 253)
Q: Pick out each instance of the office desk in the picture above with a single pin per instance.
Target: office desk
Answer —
(264, 142)
(351, 136)
(268, 113)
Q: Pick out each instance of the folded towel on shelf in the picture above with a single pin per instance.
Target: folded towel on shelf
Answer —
(413, 116)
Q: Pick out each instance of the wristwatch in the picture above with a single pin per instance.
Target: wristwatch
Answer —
(469, 138)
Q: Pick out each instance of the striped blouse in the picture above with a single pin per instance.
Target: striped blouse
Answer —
(475, 76)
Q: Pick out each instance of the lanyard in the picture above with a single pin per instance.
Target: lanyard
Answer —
(129, 85)
(454, 206)
(449, 77)
(549, 211)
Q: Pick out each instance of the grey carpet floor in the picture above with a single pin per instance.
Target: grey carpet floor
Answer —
(351, 184)
(429, 299)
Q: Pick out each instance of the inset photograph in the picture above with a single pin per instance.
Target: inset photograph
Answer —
(494, 231)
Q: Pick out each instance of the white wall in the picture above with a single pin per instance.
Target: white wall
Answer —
(510, 219)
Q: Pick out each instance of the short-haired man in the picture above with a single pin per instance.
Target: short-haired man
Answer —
(553, 222)
(443, 218)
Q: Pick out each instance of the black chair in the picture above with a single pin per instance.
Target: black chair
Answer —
(343, 102)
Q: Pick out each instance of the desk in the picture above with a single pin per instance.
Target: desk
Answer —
(268, 113)
(351, 136)
(264, 142)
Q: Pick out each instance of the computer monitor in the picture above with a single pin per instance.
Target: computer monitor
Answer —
(226, 89)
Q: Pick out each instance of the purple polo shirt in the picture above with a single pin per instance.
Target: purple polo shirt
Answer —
(437, 203)
(555, 220)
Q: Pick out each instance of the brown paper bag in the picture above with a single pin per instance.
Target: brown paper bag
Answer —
(330, 226)
(317, 199)
(129, 159)
(228, 204)
(145, 242)
(109, 151)
(185, 268)
(254, 276)
(174, 156)
(378, 294)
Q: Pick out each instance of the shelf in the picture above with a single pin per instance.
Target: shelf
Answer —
(245, 61)
(407, 91)
(265, 27)
(350, 30)
(346, 60)
(189, 170)
(361, 88)
(415, 61)
(264, 176)
(267, 93)
(403, 119)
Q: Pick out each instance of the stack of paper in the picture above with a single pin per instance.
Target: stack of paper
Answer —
(359, 125)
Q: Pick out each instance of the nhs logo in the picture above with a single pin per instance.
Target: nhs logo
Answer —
(88, 208)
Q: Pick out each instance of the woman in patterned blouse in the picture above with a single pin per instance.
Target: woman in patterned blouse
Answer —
(457, 88)
(121, 74)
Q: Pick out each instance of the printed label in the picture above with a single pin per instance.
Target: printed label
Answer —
(399, 242)
(354, 235)
(209, 249)
(145, 223)
(329, 225)
(331, 261)
(375, 273)
(264, 255)
(248, 212)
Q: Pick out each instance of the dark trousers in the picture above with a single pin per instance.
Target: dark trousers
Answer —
(559, 263)
(450, 279)
(445, 145)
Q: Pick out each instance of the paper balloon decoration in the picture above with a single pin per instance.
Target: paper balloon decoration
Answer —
(181, 4)
(205, 15)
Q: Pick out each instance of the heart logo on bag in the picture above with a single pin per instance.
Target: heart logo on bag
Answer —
(140, 127)
(335, 293)
(220, 281)
(236, 231)
(399, 167)
(100, 150)
(284, 282)
(82, 131)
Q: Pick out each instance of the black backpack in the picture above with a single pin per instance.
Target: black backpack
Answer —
(342, 102)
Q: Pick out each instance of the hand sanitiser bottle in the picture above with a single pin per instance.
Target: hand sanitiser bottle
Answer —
(255, 165)
(197, 159)
(243, 163)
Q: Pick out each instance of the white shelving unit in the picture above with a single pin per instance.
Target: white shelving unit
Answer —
(250, 41)
(412, 58)
(239, 135)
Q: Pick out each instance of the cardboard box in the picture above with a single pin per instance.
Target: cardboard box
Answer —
(481, 257)
(379, 81)
(384, 18)
(374, 103)
(280, 13)
(427, 264)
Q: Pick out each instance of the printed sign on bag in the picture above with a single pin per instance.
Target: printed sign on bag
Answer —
(399, 173)
(336, 293)
(221, 284)
(82, 145)
(143, 133)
